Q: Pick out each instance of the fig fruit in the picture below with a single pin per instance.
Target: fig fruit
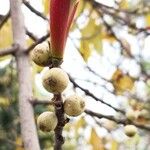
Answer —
(74, 105)
(55, 80)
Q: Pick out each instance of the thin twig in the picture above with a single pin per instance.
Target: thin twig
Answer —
(87, 92)
(4, 19)
(118, 121)
(27, 4)
(9, 51)
(115, 13)
(31, 35)
(43, 38)
(43, 102)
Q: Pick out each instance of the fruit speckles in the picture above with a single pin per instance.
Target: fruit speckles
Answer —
(47, 121)
(55, 80)
(41, 54)
(74, 105)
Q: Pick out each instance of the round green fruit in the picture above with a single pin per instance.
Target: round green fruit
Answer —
(130, 130)
(55, 80)
(41, 54)
(74, 105)
(47, 121)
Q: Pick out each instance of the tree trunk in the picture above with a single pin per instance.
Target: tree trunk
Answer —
(28, 128)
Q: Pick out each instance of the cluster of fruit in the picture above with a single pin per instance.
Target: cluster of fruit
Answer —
(55, 81)
(135, 115)
(130, 130)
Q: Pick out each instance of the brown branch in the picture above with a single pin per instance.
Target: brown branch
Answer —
(13, 49)
(39, 102)
(87, 92)
(26, 112)
(31, 35)
(32, 9)
(9, 51)
(4, 19)
(114, 12)
(101, 5)
(109, 28)
(124, 46)
(43, 38)
(118, 121)
(59, 110)
(57, 102)
(87, 67)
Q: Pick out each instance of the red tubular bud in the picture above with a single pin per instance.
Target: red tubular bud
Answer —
(61, 16)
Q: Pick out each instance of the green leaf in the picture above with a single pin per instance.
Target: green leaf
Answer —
(146, 66)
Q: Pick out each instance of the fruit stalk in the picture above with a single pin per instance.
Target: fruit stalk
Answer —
(59, 111)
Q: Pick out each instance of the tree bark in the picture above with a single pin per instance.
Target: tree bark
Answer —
(28, 128)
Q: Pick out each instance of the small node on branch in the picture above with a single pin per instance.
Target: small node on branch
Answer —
(56, 62)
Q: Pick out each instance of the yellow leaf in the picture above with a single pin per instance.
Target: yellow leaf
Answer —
(90, 29)
(80, 124)
(96, 141)
(97, 43)
(124, 4)
(80, 8)
(6, 35)
(122, 82)
(46, 6)
(19, 143)
(117, 74)
(147, 18)
(108, 37)
(114, 145)
(91, 38)
(29, 41)
(89, 5)
(85, 49)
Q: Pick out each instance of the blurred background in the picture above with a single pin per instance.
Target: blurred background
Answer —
(107, 57)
